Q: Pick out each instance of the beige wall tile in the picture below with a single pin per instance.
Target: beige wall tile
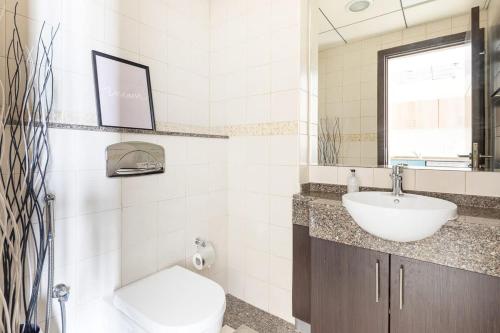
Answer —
(364, 175)
(483, 183)
(409, 179)
(323, 174)
(381, 177)
(440, 181)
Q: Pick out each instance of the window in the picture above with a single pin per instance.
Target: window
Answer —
(429, 107)
(424, 103)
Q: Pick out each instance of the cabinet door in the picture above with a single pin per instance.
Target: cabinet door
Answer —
(432, 298)
(349, 288)
(301, 290)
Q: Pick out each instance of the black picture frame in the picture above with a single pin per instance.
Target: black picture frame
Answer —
(96, 54)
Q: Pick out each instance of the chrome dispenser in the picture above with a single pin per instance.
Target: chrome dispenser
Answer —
(134, 158)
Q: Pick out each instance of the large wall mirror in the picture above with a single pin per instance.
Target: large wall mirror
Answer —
(412, 82)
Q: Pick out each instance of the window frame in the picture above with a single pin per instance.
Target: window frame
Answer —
(382, 81)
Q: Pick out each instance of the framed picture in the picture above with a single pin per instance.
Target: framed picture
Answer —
(123, 93)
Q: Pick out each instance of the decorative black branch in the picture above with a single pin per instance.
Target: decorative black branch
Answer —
(24, 158)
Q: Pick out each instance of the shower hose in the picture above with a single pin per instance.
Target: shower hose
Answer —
(60, 291)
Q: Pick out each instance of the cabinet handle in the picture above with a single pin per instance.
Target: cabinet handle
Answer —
(401, 282)
(377, 281)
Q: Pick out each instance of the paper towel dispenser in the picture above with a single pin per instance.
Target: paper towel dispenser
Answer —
(134, 158)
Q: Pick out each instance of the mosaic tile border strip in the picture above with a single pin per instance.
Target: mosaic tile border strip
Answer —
(363, 137)
(263, 129)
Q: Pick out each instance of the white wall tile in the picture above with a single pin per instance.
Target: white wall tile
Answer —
(258, 108)
(257, 293)
(280, 272)
(139, 223)
(280, 242)
(172, 215)
(257, 178)
(285, 75)
(257, 150)
(198, 181)
(237, 177)
(285, 13)
(236, 283)
(235, 250)
(63, 185)
(285, 106)
(280, 303)
(257, 207)
(140, 189)
(283, 150)
(257, 264)
(285, 44)
(217, 202)
(98, 276)
(171, 249)
(99, 233)
(257, 235)
(139, 260)
(96, 193)
(175, 150)
(258, 80)
(91, 149)
(66, 231)
(122, 31)
(280, 211)
(169, 185)
(283, 180)
(198, 151)
(259, 50)
(125, 7)
(63, 155)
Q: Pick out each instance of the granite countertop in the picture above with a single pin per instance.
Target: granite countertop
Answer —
(471, 242)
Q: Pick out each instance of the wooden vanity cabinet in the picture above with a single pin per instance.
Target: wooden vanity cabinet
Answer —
(432, 298)
(301, 283)
(350, 289)
(357, 290)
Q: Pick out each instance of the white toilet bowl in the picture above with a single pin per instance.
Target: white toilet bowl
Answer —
(173, 300)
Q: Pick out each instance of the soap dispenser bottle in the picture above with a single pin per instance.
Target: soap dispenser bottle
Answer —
(352, 182)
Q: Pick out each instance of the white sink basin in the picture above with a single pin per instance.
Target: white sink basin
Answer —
(405, 218)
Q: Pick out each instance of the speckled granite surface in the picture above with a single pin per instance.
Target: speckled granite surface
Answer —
(472, 242)
(240, 313)
(128, 130)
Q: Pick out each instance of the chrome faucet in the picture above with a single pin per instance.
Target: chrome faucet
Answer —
(397, 179)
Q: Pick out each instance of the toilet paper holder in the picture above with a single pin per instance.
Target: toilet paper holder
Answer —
(205, 254)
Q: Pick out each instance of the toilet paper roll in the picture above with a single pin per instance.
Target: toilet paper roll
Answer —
(204, 257)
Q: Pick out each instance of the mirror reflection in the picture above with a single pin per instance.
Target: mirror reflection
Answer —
(410, 84)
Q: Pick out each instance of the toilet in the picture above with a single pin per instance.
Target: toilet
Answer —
(173, 300)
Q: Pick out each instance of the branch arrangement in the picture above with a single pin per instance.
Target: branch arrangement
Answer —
(329, 141)
(24, 157)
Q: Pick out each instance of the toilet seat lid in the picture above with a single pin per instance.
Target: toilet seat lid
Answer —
(172, 300)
